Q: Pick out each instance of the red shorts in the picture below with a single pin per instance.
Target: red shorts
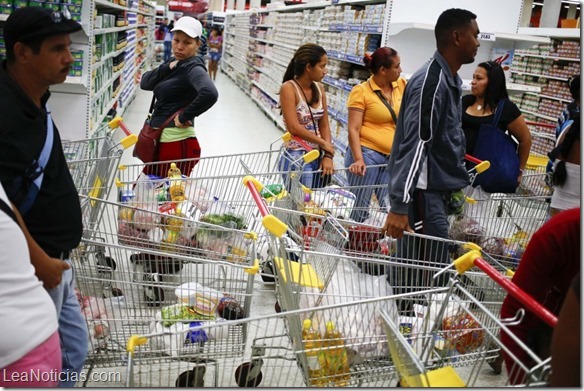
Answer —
(171, 152)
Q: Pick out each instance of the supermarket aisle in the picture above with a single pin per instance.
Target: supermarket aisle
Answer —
(235, 124)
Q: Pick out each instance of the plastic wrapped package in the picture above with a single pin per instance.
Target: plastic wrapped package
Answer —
(362, 327)
(466, 229)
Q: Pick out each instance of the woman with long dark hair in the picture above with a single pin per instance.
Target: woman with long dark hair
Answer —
(566, 169)
(304, 108)
(373, 108)
(488, 88)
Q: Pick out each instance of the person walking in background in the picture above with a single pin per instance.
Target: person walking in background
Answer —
(215, 50)
(373, 106)
(304, 109)
(26, 345)
(427, 159)
(550, 261)
(167, 38)
(182, 88)
(488, 89)
(38, 56)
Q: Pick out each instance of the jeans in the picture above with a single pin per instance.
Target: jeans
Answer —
(376, 179)
(427, 216)
(292, 161)
(72, 329)
(167, 50)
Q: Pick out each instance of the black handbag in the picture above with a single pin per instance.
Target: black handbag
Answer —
(496, 146)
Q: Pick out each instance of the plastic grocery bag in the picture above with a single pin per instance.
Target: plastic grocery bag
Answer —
(361, 326)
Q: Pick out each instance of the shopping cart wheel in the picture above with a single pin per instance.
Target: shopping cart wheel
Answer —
(267, 273)
(241, 376)
(153, 296)
(192, 378)
(277, 307)
(108, 262)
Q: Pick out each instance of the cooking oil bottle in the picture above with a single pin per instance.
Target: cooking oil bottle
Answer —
(176, 185)
(337, 361)
(312, 344)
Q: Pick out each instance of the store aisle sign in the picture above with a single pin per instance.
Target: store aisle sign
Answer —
(487, 36)
(188, 6)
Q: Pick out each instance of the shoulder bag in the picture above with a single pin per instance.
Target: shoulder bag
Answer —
(386, 103)
(24, 189)
(496, 146)
(146, 148)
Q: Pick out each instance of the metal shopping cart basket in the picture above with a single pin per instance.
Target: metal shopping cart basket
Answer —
(328, 272)
(425, 360)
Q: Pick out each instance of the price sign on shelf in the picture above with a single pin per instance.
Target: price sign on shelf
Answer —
(487, 36)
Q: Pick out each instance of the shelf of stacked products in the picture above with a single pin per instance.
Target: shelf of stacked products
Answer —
(548, 66)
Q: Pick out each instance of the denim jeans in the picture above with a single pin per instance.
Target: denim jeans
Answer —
(376, 179)
(167, 50)
(292, 161)
(72, 328)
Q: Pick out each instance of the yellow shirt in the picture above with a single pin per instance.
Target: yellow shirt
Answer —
(378, 128)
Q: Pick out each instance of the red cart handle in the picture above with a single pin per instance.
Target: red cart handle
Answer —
(269, 221)
(474, 258)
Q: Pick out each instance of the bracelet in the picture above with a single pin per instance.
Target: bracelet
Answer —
(329, 156)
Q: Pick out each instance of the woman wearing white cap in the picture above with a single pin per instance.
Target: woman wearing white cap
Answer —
(182, 90)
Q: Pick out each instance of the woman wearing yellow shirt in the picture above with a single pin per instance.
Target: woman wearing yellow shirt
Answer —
(373, 108)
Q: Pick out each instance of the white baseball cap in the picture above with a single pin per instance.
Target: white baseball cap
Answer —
(190, 26)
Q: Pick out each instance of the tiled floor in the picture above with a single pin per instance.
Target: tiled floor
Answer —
(234, 125)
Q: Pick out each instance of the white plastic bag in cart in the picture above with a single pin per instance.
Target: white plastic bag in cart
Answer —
(363, 328)
(179, 339)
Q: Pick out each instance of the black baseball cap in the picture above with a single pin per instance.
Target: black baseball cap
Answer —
(28, 23)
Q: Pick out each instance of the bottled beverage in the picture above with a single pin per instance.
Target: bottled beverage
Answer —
(312, 344)
(337, 361)
(177, 186)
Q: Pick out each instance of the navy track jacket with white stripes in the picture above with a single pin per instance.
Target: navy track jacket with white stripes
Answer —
(429, 144)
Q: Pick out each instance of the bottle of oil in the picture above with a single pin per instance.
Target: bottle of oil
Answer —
(312, 344)
(176, 185)
(337, 361)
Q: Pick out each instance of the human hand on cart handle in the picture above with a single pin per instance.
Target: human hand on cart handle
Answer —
(179, 124)
(395, 225)
(50, 272)
(327, 166)
(358, 167)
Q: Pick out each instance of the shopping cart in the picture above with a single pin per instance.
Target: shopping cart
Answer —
(420, 359)
(332, 271)
(92, 163)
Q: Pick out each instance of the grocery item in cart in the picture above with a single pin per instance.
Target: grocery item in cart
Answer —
(315, 358)
(203, 300)
(463, 333)
(179, 312)
(338, 201)
(337, 361)
(176, 186)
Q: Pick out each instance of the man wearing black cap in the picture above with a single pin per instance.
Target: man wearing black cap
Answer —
(38, 56)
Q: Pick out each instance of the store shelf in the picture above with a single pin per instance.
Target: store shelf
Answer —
(551, 32)
(109, 4)
(106, 85)
(550, 97)
(233, 55)
(3, 17)
(539, 115)
(337, 115)
(262, 26)
(539, 75)
(301, 7)
(521, 40)
(269, 113)
(358, 28)
(352, 58)
(265, 91)
(555, 58)
(275, 43)
(109, 55)
(271, 59)
(357, 2)
(266, 72)
(112, 30)
(341, 84)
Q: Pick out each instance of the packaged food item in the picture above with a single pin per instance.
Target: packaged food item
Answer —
(200, 336)
(229, 308)
(176, 186)
(203, 300)
(178, 312)
(315, 357)
(337, 361)
(271, 190)
(463, 333)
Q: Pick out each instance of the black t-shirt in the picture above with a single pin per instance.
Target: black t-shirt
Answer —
(471, 124)
(54, 220)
